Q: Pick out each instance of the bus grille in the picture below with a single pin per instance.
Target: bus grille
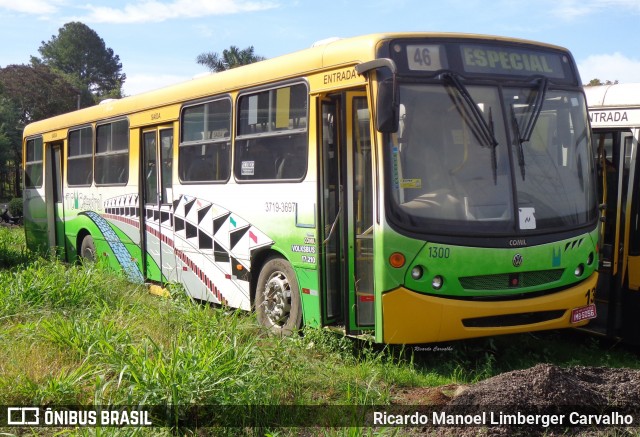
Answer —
(509, 281)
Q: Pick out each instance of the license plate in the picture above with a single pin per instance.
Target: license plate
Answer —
(583, 313)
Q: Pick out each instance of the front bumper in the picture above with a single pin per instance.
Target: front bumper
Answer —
(410, 317)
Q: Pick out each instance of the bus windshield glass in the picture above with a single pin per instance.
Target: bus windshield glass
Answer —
(524, 167)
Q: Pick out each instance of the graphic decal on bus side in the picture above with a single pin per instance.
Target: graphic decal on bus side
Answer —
(213, 243)
(212, 228)
(122, 254)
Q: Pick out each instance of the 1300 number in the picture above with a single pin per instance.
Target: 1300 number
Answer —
(439, 252)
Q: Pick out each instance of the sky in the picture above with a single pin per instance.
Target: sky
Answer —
(158, 40)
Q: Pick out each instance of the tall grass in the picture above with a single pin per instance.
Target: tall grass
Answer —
(12, 248)
(83, 335)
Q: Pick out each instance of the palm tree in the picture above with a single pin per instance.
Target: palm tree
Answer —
(231, 58)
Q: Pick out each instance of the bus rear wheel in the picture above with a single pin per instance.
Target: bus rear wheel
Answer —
(88, 249)
(277, 303)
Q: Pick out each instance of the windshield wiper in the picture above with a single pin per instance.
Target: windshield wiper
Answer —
(525, 135)
(494, 158)
(537, 109)
(485, 129)
(514, 119)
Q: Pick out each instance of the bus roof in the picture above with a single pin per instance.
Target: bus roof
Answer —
(614, 106)
(619, 95)
(333, 53)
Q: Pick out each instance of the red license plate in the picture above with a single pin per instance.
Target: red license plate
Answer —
(583, 313)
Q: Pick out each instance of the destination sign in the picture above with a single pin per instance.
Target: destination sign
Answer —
(425, 57)
(511, 61)
(488, 58)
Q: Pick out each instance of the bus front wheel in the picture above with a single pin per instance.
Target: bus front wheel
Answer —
(88, 249)
(278, 306)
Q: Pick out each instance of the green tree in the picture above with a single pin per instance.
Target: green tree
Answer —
(10, 150)
(27, 93)
(37, 92)
(596, 82)
(231, 58)
(81, 56)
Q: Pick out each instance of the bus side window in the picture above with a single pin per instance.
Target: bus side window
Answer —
(292, 163)
(204, 162)
(33, 168)
(199, 169)
(203, 153)
(255, 160)
(272, 131)
(111, 163)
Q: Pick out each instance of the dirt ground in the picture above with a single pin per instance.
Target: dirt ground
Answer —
(581, 395)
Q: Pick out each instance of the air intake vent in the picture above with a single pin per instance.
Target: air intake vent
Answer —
(509, 281)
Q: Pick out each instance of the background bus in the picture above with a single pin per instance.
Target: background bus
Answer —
(415, 187)
(614, 111)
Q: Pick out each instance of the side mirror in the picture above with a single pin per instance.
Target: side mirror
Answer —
(387, 112)
(388, 109)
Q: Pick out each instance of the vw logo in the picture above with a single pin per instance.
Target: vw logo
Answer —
(517, 260)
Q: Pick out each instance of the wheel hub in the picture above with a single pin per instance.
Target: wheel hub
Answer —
(277, 303)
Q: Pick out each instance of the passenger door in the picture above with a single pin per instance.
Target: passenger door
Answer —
(347, 213)
(156, 174)
(54, 191)
(618, 291)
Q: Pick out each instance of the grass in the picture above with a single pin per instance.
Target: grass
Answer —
(83, 335)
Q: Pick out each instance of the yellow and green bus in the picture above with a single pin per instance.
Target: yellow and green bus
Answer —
(409, 187)
(614, 111)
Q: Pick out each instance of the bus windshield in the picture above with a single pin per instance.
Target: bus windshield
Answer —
(447, 169)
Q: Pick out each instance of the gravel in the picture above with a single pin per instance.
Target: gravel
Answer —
(527, 402)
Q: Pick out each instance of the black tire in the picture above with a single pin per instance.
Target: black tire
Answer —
(88, 249)
(277, 303)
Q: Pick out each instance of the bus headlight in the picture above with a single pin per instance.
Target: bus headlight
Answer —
(579, 270)
(437, 282)
(590, 259)
(417, 272)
